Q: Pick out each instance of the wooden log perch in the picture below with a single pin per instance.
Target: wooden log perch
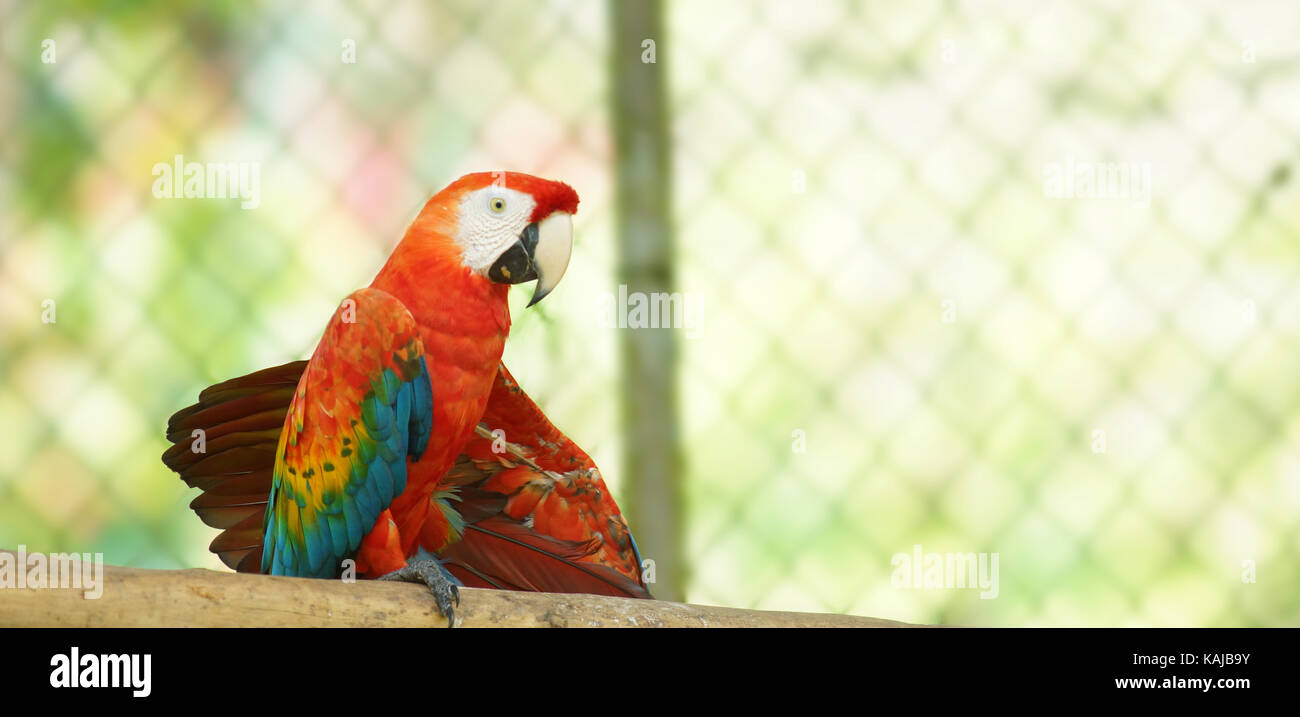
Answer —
(135, 597)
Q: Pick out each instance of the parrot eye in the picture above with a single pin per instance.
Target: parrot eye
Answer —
(497, 205)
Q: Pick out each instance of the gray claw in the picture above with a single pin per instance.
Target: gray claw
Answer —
(440, 582)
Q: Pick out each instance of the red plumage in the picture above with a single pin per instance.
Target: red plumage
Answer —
(530, 512)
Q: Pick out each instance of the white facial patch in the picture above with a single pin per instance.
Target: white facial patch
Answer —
(491, 219)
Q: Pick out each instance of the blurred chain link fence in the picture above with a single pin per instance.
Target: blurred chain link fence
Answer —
(906, 335)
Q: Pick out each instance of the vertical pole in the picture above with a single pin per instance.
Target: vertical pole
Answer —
(648, 357)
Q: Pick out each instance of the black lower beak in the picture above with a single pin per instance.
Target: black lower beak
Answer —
(515, 266)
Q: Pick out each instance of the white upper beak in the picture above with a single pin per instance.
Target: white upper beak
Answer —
(551, 256)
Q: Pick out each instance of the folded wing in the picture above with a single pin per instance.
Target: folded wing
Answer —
(362, 406)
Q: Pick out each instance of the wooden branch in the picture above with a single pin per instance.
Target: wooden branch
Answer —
(135, 597)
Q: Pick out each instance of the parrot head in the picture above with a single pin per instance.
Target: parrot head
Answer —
(506, 227)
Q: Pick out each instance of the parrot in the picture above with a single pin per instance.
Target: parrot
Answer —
(404, 449)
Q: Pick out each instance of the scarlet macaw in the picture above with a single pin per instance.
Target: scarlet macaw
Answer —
(404, 444)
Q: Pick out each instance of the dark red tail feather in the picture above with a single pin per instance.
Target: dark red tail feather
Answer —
(241, 421)
(501, 553)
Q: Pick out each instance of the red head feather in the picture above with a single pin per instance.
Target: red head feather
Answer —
(550, 196)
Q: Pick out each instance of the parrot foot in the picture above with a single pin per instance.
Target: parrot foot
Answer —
(440, 582)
